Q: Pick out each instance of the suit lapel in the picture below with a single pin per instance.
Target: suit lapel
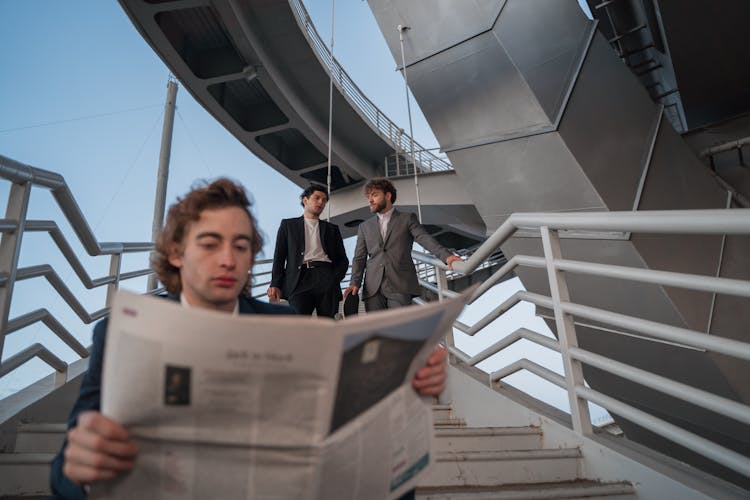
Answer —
(246, 306)
(300, 232)
(322, 229)
(375, 226)
(391, 223)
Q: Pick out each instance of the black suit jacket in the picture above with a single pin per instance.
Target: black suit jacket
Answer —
(89, 396)
(289, 254)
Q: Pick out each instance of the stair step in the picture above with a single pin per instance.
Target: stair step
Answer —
(575, 489)
(462, 439)
(40, 437)
(490, 468)
(441, 423)
(24, 474)
(442, 412)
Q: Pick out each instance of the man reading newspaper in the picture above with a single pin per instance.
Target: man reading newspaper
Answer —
(203, 257)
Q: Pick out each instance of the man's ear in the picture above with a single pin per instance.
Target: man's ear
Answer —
(388, 196)
(175, 256)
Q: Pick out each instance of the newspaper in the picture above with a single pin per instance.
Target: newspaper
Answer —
(267, 406)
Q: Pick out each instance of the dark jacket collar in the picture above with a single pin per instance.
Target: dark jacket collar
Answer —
(322, 228)
(247, 306)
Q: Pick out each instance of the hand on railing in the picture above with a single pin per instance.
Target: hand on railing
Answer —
(451, 259)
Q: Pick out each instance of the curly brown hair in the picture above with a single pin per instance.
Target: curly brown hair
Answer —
(383, 185)
(221, 193)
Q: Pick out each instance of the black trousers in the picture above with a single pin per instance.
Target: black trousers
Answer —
(316, 291)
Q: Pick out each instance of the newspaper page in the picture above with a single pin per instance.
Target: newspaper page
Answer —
(265, 406)
(378, 455)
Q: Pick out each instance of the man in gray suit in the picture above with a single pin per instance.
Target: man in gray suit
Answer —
(383, 251)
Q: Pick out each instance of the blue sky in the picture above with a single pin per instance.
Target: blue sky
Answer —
(82, 94)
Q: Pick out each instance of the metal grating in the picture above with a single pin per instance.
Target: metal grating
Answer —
(338, 181)
(248, 103)
(200, 38)
(291, 148)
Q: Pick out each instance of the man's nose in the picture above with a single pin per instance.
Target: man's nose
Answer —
(227, 258)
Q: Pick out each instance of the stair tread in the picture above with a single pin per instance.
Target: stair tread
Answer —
(508, 454)
(449, 421)
(573, 489)
(488, 431)
(51, 427)
(26, 458)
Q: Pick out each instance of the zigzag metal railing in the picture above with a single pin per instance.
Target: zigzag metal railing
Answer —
(427, 161)
(23, 177)
(716, 222)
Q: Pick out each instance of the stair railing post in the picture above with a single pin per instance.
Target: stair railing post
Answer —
(10, 248)
(566, 332)
(442, 285)
(442, 281)
(400, 148)
(114, 270)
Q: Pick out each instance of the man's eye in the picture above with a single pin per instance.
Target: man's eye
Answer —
(208, 245)
(242, 248)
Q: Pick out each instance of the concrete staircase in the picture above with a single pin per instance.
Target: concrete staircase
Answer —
(24, 472)
(505, 463)
(470, 463)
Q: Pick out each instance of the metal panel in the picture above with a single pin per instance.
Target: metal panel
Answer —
(291, 148)
(338, 180)
(677, 179)
(544, 39)
(248, 103)
(530, 174)
(473, 94)
(449, 23)
(199, 36)
(608, 125)
(708, 47)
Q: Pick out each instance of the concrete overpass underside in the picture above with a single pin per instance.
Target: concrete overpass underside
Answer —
(262, 71)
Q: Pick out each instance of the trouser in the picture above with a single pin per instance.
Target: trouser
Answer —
(316, 291)
(386, 298)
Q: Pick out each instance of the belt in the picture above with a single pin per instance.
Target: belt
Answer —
(310, 264)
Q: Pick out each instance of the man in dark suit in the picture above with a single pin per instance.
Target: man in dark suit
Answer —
(203, 257)
(383, 251)
(309, 260)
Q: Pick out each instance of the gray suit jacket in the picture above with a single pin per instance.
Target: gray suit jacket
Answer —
(390, 260)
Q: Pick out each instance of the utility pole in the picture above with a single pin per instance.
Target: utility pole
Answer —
(163, 174)
(401, 30)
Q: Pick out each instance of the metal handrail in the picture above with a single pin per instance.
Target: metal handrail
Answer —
(394, 135)
(549, 225)
(12, 228)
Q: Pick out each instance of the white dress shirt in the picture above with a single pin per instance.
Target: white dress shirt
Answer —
(313, 246)
(383, 219)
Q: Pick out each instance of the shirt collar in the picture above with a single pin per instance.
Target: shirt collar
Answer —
(386, 215)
